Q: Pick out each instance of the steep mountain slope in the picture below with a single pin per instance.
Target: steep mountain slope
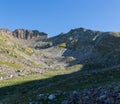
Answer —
(89, 46)
(17, 59)
(109, 48)
(79, 59)
(94, 49)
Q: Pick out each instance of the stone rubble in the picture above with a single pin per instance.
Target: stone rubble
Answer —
(102, 95)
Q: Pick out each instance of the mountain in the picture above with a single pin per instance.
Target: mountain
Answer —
(85, 57)
(89, 46)
(16, 58)
(94, 49)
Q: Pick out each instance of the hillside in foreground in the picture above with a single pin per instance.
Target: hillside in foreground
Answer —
(81, 66)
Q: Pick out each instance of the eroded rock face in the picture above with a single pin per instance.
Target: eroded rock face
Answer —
(25, 34)
(29, 34)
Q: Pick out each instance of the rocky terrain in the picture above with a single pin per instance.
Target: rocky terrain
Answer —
(90, 46)
(18, 58)
(109, 94)
(55, 61)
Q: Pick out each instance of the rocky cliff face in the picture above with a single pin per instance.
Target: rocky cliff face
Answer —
(29, 34)
(25, 34)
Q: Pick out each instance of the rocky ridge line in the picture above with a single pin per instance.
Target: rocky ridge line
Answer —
(25, 34)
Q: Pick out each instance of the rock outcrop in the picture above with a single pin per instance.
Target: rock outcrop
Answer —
(29, 34)
(25, 34)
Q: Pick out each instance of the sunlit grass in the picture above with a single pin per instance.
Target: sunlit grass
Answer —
(11, 64)
(32, 77)
(69, 79)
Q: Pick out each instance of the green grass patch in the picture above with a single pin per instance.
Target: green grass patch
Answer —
(26, 50)
(2, 74)
(26, 88)
(36, 64)
(11, 64)
(63, 45)
(2, 38)
(47, 75)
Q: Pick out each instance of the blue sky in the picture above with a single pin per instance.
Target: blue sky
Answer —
(56, 16)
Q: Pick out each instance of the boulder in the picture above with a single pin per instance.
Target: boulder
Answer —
(51, 97)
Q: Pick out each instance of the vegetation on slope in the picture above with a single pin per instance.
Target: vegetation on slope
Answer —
(29, 87)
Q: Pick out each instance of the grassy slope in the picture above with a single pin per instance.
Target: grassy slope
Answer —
(52, 82)
(12, 53)
(11, 46)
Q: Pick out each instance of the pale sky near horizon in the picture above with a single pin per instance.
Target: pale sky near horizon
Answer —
(56, 16)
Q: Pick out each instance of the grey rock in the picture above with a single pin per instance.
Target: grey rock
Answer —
(29, 34)
(30, 102)
(75, 92)
(118, 95)
(51, 97)
(64, 102)
(11, 76)
(1, 78)
(102, 97)
(41, 95)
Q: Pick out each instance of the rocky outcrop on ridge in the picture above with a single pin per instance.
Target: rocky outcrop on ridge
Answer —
(29, 34)
(25, 34)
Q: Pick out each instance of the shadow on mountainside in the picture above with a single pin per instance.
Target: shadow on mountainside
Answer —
(67, 82)
(78, 57)
(103, 53)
